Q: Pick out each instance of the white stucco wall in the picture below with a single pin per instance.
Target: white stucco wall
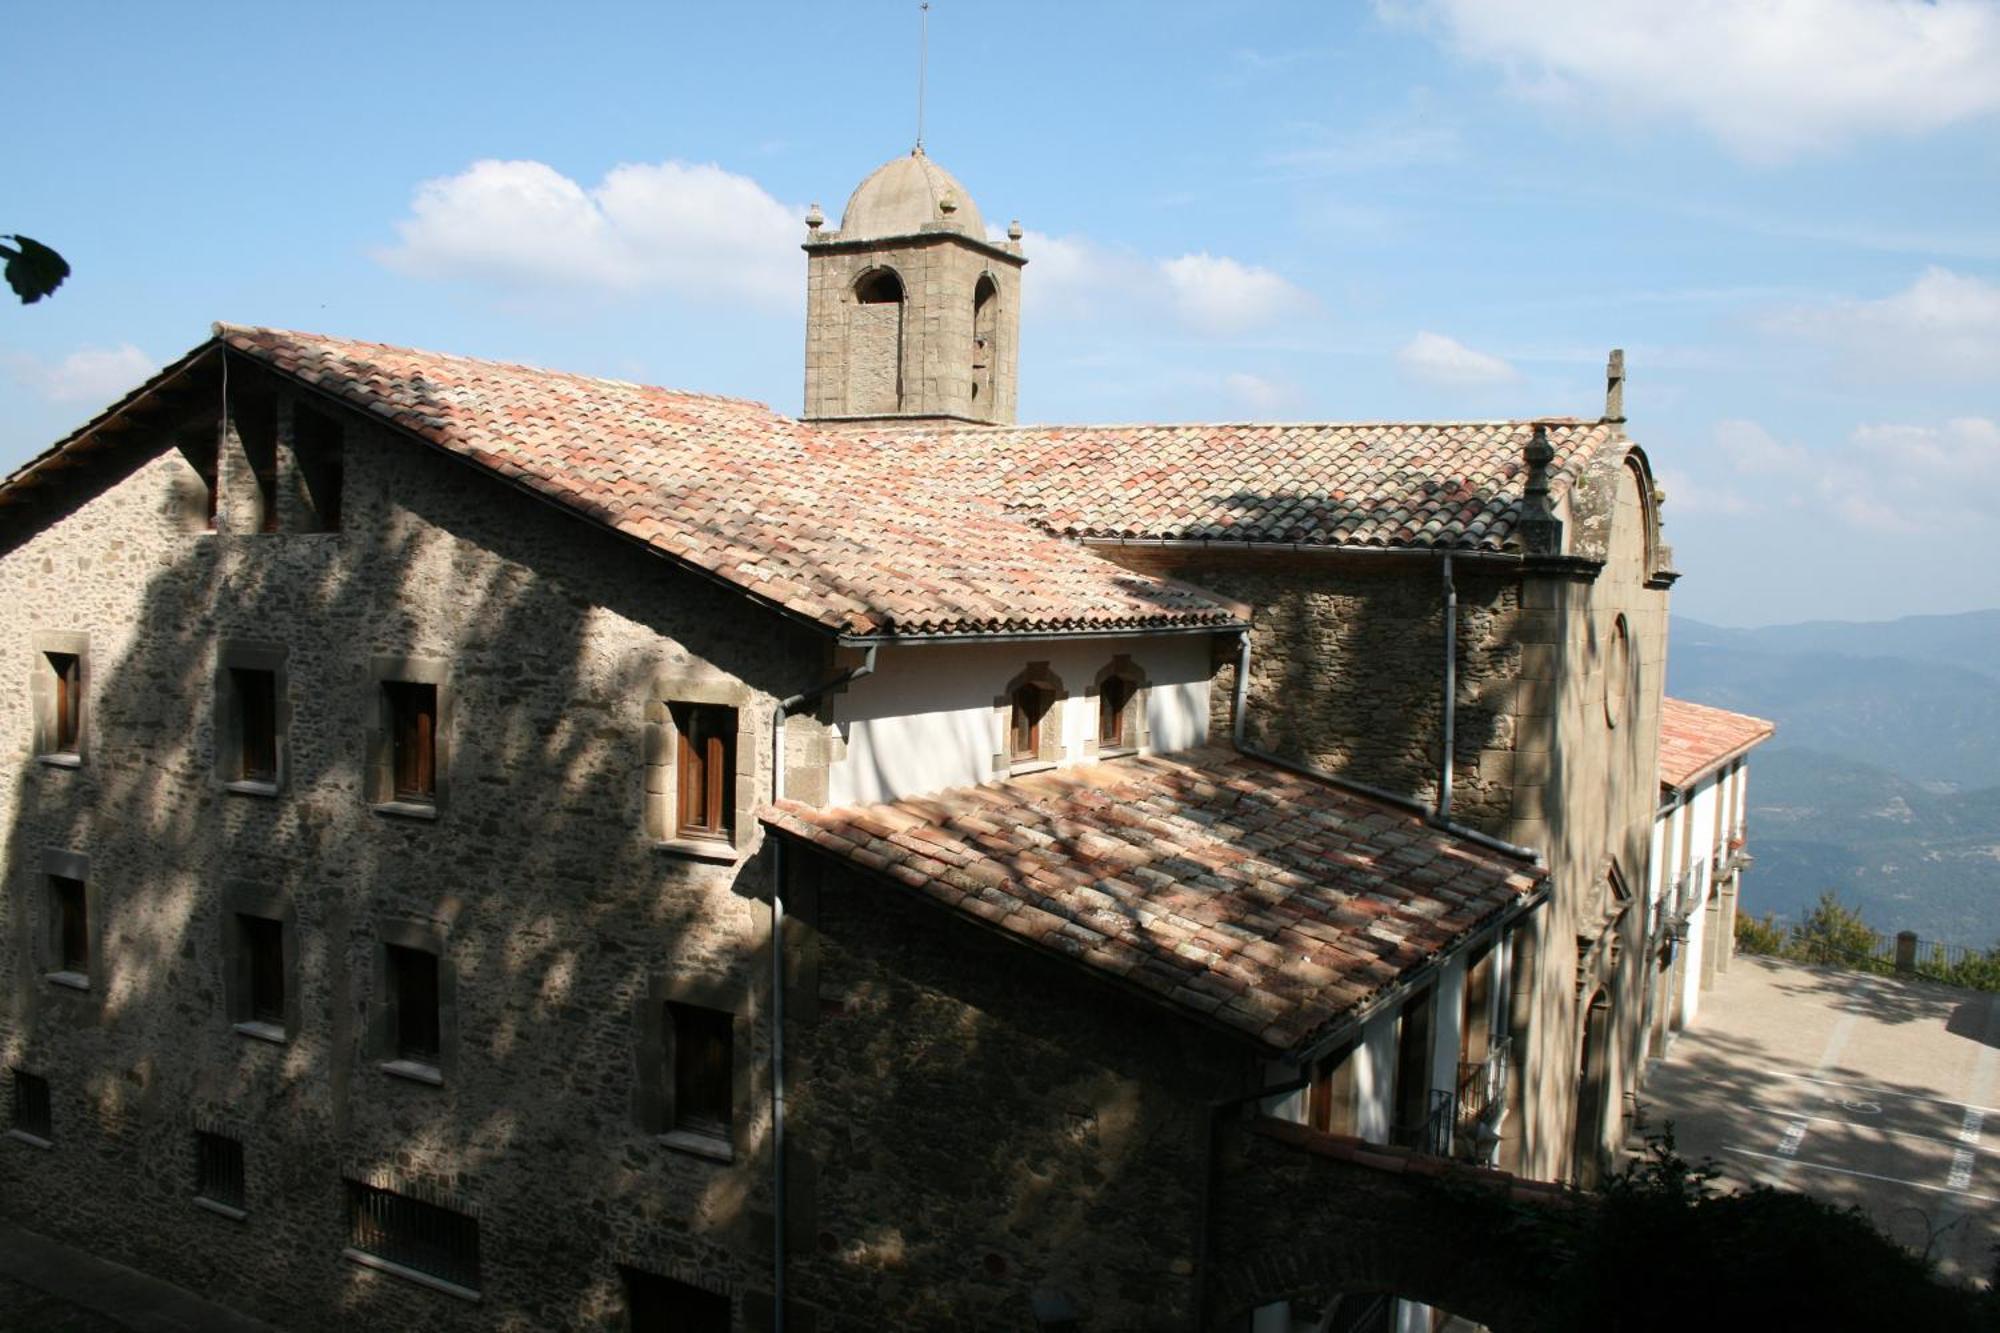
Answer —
(925, 721)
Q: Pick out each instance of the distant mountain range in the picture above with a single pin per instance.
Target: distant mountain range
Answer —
(1883, 782)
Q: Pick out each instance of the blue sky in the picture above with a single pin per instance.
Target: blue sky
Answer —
(1786, 211)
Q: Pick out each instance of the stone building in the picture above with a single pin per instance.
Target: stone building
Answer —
(488, 847)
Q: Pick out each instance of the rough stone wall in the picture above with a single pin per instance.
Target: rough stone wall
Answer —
(1585, 792)
(939, 277)
(1347, 668)
(977, 1123)
(558, 914)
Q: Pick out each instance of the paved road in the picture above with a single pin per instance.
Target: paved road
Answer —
(1862, 1090)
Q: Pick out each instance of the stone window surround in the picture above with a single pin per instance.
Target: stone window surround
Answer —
(389, 669)
(662, 767)
(220, 1129)
(1050, 751)
(425, 936)
(42, 697)
(58, 863)
(423, 1191)
(653, 1055)
(241, 898)
(250, 655)
(1138, 729)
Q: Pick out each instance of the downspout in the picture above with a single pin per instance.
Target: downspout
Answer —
(1450, 691)
(783, 709)
(1205, 1212)
(1237, 719)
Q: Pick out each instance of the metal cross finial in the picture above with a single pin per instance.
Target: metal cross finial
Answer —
(923, 58)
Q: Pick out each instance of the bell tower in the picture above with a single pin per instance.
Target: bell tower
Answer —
(911, 312)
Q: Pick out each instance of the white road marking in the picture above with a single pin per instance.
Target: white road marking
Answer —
(1889, 1092)
(1865, 1175)
(1795, 1134)
(1787, 1113)
(1960, 1178)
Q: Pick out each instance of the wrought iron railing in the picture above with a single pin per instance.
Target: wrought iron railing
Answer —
(1482, 1084)
(1432, 1135)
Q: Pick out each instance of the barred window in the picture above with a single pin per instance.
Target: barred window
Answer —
(412, 1234)
(218, 1169)
(28, 1105)
(655, 1304)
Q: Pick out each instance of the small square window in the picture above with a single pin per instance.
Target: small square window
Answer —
(66, 730)
(705, 779)
(412, 739)
(413, 996)
(262, 941)
(704, 1069)
(218, 1169)
(655, 1304)
(69, 911)
(28, 1105)
(255, 698)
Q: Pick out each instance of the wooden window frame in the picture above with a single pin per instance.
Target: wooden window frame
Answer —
(669, 704)
(252, 716)
(412, 707)
(255, 691)
(390, 1028)
(662, 1065)
(705, 771)
(703, 1043)
(1046, 703)
(59, 693)
(1030, 702)
(394, 790)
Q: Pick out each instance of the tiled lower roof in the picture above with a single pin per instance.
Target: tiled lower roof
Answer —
(1263, 900)
(1696, 739)
(1453, 485)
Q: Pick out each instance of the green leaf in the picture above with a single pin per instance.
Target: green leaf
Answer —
(33, 270)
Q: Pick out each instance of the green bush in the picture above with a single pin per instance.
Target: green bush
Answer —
(1764, 937)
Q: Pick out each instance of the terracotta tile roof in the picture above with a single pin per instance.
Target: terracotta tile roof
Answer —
(849, 537)
(1695, 739)
(1387, 484)
(1260, 899)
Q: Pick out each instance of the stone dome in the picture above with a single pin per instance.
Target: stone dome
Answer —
(907, 195)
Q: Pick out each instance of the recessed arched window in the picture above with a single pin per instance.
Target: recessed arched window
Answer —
(1120, 693)
(985, 323)
(1028, 720)
(1028, 708)
(878, 286)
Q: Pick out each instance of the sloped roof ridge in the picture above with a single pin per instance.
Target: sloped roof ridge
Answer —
(223, 329)
(970, 427)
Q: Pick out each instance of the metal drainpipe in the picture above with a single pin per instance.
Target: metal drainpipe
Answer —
(1237, 719)
(783, 709)
(1450, 691)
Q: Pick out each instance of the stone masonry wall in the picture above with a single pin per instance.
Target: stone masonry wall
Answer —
(1347, 669)
(976, 1123)
(939, 277)
(558, 918)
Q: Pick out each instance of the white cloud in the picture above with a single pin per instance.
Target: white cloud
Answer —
(94, 375)
(1769, 78)
(1416, 135)
(1218, 295)
(689, 228)
(1259, 394)
(1685, 495)
(1448, 363)
(1211, 295)
(1888, 479)
(1945, 325)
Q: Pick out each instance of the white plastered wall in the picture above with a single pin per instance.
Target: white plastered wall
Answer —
(1700, 808)
(925, 720)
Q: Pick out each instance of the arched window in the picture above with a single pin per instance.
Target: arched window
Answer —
(1028, 720)
(985, 323)
(875, 344)
(1119, 693)
(878, 286)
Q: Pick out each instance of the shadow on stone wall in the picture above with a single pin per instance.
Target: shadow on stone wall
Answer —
(558, 910)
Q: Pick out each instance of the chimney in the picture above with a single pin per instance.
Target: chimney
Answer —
(1614, 387)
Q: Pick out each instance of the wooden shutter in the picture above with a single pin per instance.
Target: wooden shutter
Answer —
(703, 1073)
(413, 725)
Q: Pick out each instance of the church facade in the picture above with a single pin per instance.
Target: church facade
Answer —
(489, 847)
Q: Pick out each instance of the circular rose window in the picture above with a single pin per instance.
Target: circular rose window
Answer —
(1618, 673)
